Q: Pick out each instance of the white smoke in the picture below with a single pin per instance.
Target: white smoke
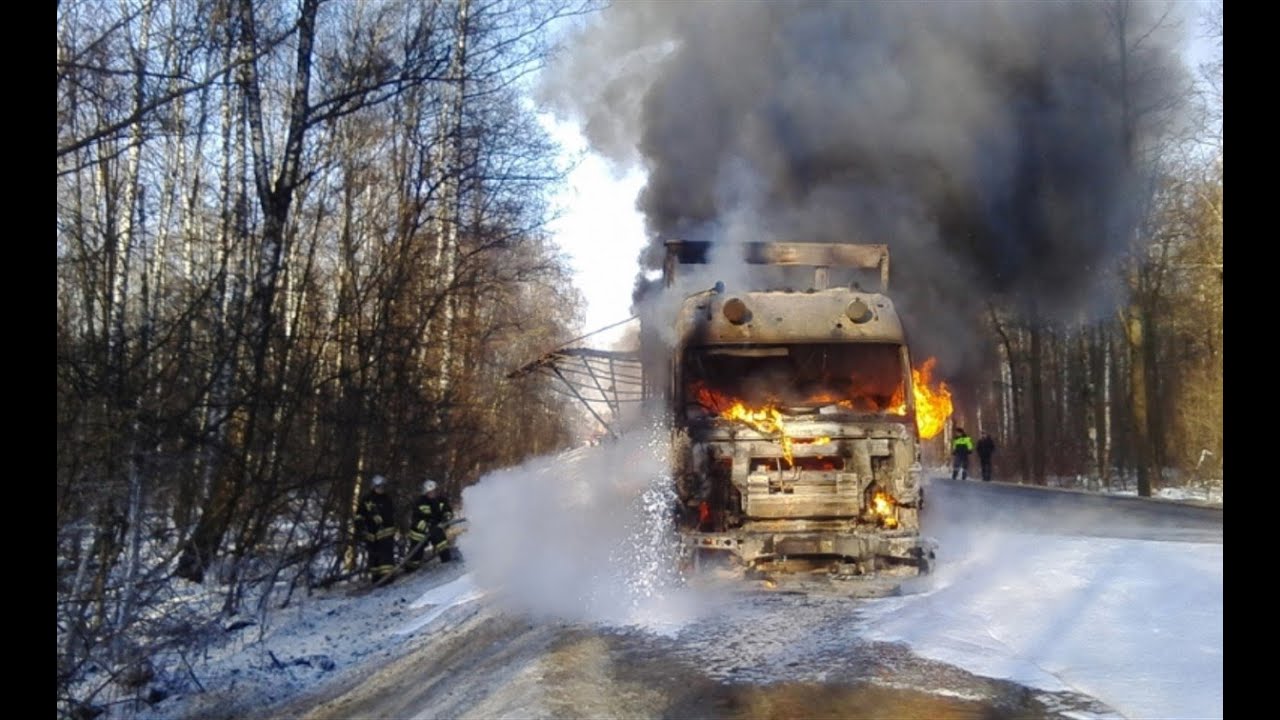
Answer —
(586, 535)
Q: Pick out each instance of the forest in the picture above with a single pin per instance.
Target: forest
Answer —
(303, 243)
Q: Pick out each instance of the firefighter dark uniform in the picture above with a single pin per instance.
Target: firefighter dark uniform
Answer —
(986, 448)
(376, 520)
(429, 512)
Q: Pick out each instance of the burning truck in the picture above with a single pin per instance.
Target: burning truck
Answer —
(795, 412)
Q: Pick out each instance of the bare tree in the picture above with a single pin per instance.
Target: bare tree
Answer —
(247, 195)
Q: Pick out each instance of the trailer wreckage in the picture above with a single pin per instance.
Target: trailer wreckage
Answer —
(795, 413)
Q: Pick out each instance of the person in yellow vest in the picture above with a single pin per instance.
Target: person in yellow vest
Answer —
(961, 448)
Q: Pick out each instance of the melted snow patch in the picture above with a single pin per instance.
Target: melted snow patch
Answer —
(440, 599)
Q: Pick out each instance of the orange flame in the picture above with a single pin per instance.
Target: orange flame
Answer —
(933, 406)
(883, 504)
(767, 420)
(932, 400)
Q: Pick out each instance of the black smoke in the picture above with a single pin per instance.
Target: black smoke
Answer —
(995, 147)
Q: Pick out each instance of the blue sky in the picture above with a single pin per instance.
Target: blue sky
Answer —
(600, 229)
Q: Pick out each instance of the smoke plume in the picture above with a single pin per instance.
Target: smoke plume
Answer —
(995, 147)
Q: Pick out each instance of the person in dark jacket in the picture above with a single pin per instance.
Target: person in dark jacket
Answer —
(986, 448)
(376, 520)
(960, 449)
(430, 512)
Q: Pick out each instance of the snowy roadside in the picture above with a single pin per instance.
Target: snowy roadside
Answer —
(327, 638)
(1209, 493)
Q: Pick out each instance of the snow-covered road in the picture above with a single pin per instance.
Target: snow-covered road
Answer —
(763, 655)
(1036, 611)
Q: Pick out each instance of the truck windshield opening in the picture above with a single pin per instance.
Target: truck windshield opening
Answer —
(851, 377)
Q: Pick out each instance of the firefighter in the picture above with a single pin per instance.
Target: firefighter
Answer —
(430, 512)
(376, 520)
(986, 448)
(961, 447)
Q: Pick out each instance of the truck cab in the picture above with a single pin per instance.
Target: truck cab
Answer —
(792, 413)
